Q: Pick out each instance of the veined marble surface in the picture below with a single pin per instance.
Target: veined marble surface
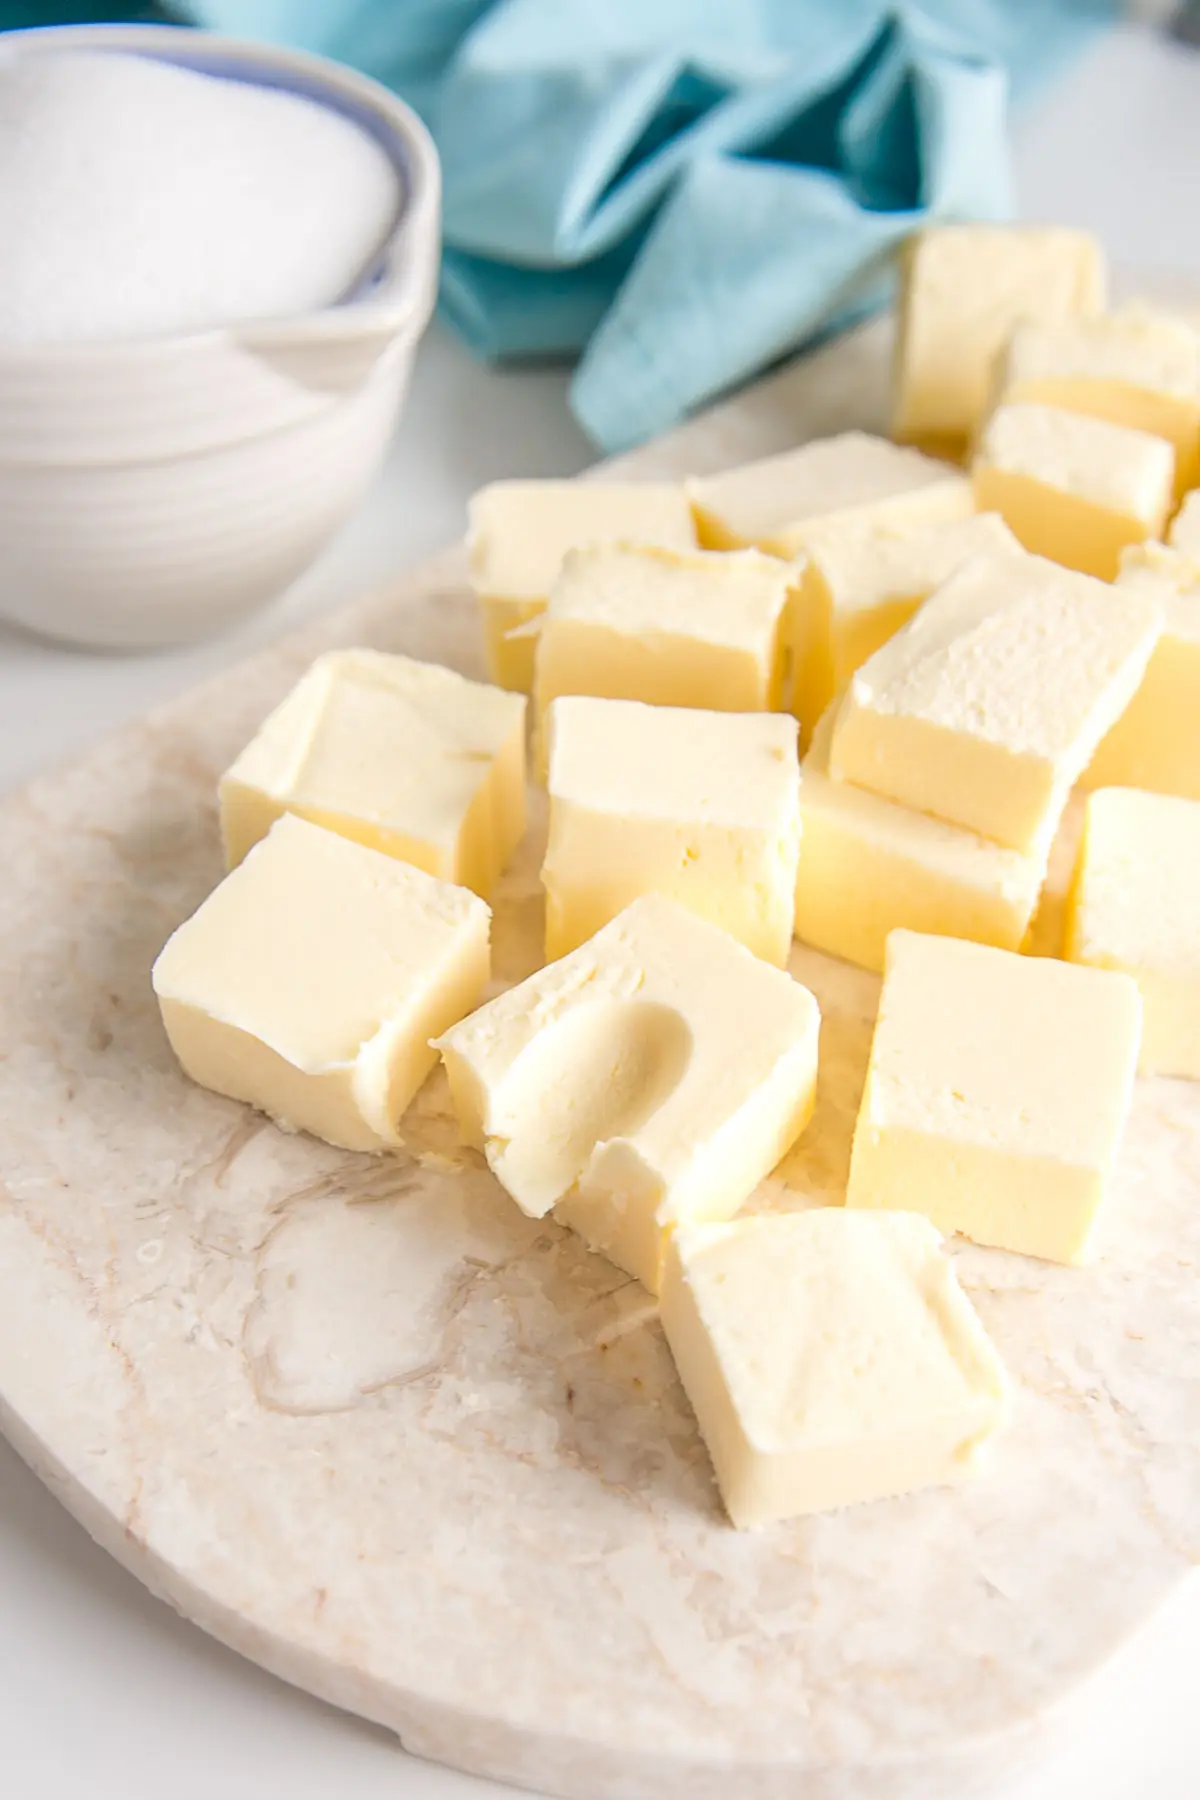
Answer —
(367, 1424)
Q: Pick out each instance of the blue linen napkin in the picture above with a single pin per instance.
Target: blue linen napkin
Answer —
(685, 190)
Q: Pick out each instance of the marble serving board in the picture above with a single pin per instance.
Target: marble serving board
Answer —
(428, 1459)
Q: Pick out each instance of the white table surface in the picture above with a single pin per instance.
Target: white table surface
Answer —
(104, 1693)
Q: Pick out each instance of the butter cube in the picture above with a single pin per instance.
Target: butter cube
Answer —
(1135, 905)
(520, 532)
(653, 1076)
(830, 1357)
(1073, 488)
(1136, 367)
(1184, 534)
(704, 630)
(997, 1093)
(1156, 741)
(962, 290)
(860, 586)
(703, 806)
(775, 502)
(867, 866)
(405, 756)
(310, 982)
(987, 707)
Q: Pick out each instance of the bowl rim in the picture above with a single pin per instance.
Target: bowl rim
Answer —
(400, 304)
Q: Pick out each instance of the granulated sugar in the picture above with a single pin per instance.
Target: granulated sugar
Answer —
(138, 198)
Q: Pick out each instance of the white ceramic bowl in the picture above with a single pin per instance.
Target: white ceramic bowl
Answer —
(156, 491)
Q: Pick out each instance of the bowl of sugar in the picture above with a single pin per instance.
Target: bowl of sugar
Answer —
(216, 260)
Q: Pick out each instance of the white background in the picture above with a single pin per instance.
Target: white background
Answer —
(104, 1693)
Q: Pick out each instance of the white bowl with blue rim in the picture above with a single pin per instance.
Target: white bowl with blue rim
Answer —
(157, 490)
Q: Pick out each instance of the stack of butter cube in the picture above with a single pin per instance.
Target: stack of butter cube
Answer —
(952, 652)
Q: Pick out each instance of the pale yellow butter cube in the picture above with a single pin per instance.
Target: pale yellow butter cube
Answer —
(1184, 534)
(310, 982)
(407, 757)
(860, 586)
(989, 704)
(776, 501)
(1137, 367)
(962, 290)
(1156, 741)
(1071, 487)
(830, 1357)
(651, 1077)
(1135, 906)
(705, 630)
(868, 866)
(702, 806)
(520, 532)
(997, 1093)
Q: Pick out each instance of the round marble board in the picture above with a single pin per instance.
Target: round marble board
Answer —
(366, 1423)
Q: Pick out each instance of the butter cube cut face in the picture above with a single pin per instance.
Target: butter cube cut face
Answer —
(1184, 534)
(987, 707)
(705, 631)
(776, 501)
(702, 806)
(310, 982)
(1137, 368)
(653, 1076)
(963, 288)
(1135, 906)
(997, 1093)
(406, 757)
(1156, 741)
(830, 1357)
(520, 531)
(868, 866)
(1073, 488)
(860, 586)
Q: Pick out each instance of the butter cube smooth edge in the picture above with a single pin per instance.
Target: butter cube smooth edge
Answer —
(830, 1358)
(962, 290)
(860, 586)
(409, 758)
(777, 501)
(1138, 367)
(706, 630)
(520, 531)
(311, 980)
(1155, 743)
(997, 1093)
(868, 866)
(986, 708)
(1071, 487)
(1135, 906)
(701, 806)
(654, 1075)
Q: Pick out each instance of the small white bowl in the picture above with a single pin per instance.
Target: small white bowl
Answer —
(156, 491)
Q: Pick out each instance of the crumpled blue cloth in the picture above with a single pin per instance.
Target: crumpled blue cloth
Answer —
(684, 190)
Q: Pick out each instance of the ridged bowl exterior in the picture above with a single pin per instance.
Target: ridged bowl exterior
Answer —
(157, 491)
